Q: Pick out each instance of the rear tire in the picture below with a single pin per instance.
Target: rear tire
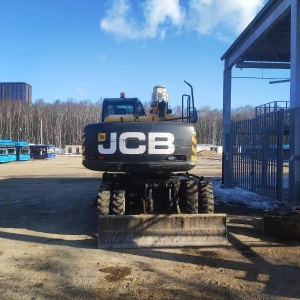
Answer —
(104, 199)
(118, 202)
(206, 197)
(188, 196)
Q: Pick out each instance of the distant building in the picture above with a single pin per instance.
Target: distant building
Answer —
(15, 91)
(73, 149)
(159, 93)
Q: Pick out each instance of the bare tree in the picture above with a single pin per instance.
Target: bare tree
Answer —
(62, 122)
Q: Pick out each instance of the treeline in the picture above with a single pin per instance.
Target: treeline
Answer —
(62, 122)
(210, 123)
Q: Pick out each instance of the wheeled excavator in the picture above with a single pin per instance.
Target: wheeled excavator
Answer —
(147, 197)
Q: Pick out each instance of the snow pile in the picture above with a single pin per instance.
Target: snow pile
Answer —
(239, 195)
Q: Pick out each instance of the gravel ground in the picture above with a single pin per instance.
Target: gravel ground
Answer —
(48, 246)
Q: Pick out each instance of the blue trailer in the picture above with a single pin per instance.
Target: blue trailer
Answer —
(41, 151)
(8, 151)
(3, 153)
(23, 151)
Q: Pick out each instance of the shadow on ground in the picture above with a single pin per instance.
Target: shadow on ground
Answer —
(49, 205)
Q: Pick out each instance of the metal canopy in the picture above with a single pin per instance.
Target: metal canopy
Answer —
(271, 40)
(274, 46)
(266, 39)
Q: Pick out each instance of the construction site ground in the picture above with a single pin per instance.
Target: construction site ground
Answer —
(48, 246)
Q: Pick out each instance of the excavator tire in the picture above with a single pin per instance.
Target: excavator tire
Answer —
(104, 199)
(188, 195)
(118, 202)
(206, 197)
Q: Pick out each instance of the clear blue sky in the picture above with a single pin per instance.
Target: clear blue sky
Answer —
(87, 49)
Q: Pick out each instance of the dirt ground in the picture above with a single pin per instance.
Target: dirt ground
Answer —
(48, 246)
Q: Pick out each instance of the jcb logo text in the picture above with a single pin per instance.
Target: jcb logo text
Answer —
(136, 143)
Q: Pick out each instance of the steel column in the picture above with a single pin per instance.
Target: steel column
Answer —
(227, 142)
(294, 179)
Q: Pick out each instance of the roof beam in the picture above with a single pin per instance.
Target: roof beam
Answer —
(262, 65)
(258, 32)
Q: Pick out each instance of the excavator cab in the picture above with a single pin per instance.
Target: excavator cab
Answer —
(122, 106)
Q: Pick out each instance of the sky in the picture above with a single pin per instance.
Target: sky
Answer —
(93, 49)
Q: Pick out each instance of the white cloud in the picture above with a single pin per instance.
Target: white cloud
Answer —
(158, 12)
(215, 16)
(206, 17)
(119, 19)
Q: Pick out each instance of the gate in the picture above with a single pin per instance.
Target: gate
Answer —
(260, 154)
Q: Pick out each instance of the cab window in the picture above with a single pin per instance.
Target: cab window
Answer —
(140, 109)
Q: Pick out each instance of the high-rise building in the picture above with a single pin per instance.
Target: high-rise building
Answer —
(15, 91)
(159, 93)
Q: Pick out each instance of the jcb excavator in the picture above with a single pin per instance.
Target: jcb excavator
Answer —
(147, 198)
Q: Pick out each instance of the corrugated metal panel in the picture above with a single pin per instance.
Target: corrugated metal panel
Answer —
(274, 46)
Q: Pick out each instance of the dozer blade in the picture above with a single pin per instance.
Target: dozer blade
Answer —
(158, 231)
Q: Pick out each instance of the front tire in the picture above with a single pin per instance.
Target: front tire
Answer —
(188, 196)
(206, 197)
(103, 200)
(118, 202)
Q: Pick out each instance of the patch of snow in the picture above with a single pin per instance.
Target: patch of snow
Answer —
(238, 195)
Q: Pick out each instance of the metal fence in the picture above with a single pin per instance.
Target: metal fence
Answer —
(260, 154)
